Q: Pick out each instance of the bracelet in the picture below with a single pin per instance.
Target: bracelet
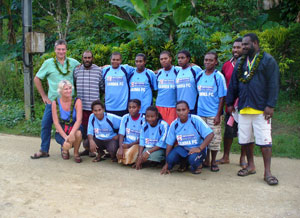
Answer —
(148, 152)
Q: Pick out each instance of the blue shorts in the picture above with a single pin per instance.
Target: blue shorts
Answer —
(60, 140)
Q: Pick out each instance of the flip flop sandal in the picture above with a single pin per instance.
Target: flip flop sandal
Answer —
(98, 159)
(41, 155)
(222, 161)
(271, 180)
(245, 172)
(77, 159)
(198, 170)
(214, 168)
(65, 156)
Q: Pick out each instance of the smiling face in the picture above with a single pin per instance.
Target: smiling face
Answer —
(87, 59)
(66, 91)
(182, 111)
(151, 117)
(98, 111)
(165, 60)
(133, 109)
(60, 51)
(237, 50)
(210, 62)
(248, 46)
(183, 60)
(115, 61)
(140, 63)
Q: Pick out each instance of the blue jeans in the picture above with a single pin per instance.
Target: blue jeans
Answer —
(179, 153)
(46, 128)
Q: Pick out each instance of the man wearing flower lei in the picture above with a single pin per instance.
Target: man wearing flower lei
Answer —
(255, 81)
(54, 70)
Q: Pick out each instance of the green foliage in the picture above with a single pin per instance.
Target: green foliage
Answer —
(11, 112)
(11, 79)
(192, 36)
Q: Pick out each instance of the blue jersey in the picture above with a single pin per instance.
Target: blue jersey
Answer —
(166, 84)
(210, 88)
(189, 134)
(186, 85)
(130, 128)
(116, 87)
(141, 85)
(154, 136)
(104, 129)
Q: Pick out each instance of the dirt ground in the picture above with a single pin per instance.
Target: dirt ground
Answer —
(52, 187)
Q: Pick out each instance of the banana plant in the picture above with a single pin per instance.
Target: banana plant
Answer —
(151, 13)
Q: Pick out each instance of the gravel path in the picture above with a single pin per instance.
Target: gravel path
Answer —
(52, 187)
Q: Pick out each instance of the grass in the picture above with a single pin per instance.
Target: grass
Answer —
(285, 125)
(285, 130)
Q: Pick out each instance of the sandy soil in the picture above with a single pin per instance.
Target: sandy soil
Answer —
(52, 187)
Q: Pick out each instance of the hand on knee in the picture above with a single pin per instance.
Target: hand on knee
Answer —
(67, 146)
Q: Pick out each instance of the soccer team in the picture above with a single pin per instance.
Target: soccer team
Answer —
(184, 126)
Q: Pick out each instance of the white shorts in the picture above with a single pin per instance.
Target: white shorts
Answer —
(254, 125)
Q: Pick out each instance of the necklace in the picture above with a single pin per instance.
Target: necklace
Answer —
(251, 67)
(59, 70)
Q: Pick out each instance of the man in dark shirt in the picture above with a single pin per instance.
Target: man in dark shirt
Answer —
(255, 81)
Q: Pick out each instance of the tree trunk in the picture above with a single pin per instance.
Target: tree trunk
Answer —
(11, 35)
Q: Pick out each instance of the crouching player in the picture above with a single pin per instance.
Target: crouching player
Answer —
(152, 138)
(102, 131)
(193, 136)
(129, 133)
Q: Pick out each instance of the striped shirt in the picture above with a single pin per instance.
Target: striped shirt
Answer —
(88, 83)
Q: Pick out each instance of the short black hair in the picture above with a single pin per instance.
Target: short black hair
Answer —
(88, 51)
(182, 102)
(97, 102)
(240, 39)
(153, 108)
(167, 53)
(116, 53)
(136, 101)
(212, 53)
(252, 36)
(141, 55)
(186, 53)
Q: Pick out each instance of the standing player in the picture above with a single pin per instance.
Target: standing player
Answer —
(166, 83)
(142, 82)
(116, 85)
(212, 89)
(186, 81)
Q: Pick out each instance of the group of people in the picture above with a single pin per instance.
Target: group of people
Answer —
(184, 126)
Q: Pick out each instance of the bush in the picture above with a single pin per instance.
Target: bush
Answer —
(11, 79)
(282, 43)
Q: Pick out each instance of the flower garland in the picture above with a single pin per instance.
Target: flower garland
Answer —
(247, 76)
(59, 70)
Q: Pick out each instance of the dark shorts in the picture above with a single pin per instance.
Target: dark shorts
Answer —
(118, 113)
(85, 121)
(110, 145)
(230, 131)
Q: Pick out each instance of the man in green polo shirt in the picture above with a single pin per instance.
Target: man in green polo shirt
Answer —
(54, 70)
